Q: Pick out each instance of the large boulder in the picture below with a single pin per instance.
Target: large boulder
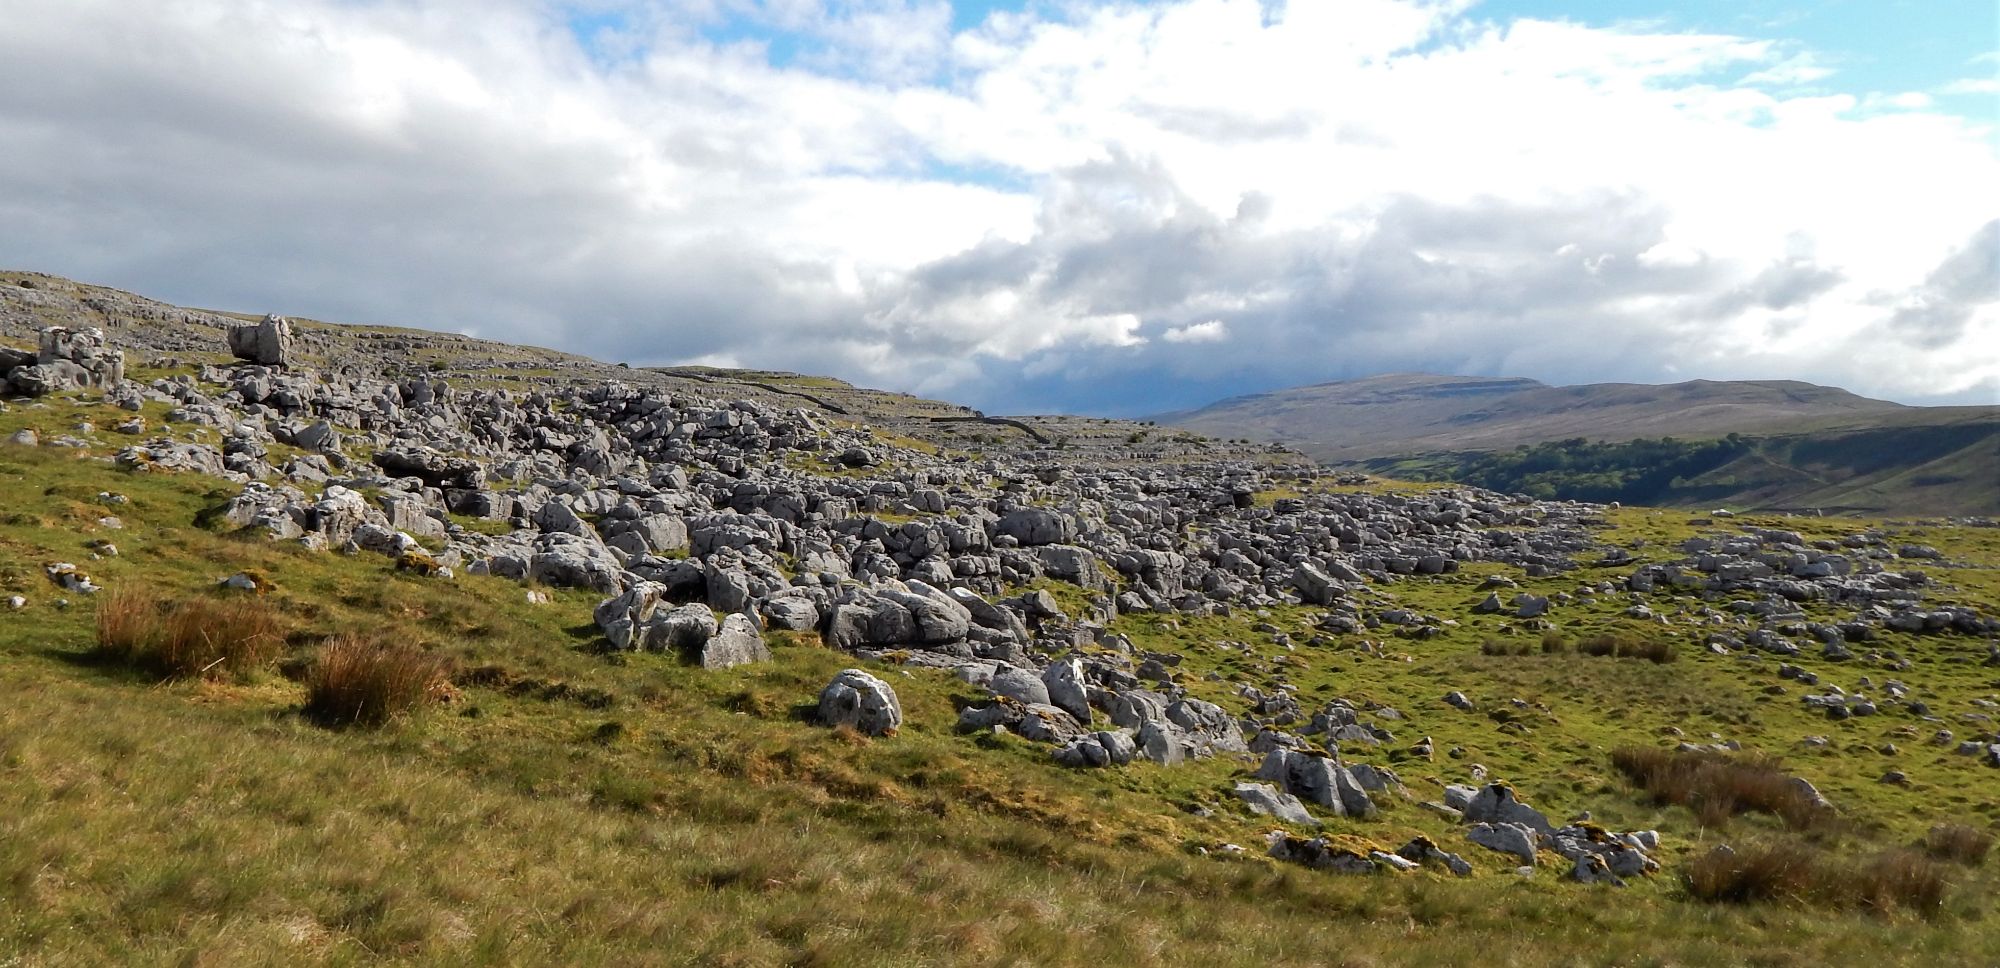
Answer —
(736, 643)
(1072, 563)
(1267, 800)
(1098, 750)
(1022, 685)
(1314, 587)
(432, 467)
(1507, 838)
(1208, 727)
(859, 700)
(1036, 526)
(1040, 722)
(268, 343)
(624, 618)
(684, 629)
(564, 561)
(1318, 779)
(791, 613)
(67, 359)
(938, 617)
(1496, 804)
(1068, 690)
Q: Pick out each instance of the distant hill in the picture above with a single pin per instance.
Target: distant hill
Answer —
(1798, 445)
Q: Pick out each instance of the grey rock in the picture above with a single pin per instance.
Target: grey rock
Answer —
(1269, 801)
(736, 643)
(268, 343)
(684, 629)
(1317, 779)
(1020, 685)
(857, 699)
(1098, 750)
(1067, 688)
(1036, 526)
(1422, 851)
(790, 613)
(1507, 838)
(1495, 804)
(1319, 853)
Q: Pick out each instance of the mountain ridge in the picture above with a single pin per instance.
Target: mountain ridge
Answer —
(1430, 426)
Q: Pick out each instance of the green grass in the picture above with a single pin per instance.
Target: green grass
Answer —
(572, 807)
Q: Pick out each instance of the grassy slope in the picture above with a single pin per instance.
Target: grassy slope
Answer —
(1946, 469)
(188, 821)
(1822, 447)
(1409, 413)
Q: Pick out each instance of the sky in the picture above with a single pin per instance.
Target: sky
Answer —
(1047, 205)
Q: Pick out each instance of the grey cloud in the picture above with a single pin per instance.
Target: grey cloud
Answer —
(1782, 285)
(135, 156)
(1500, 285)
(1935, 314)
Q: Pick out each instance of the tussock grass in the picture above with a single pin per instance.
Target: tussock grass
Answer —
(1656, 651)
(1790, 872)
(202, 636)
(1958, 843)
(1718, 787)
(364, 682)
(1770, 872)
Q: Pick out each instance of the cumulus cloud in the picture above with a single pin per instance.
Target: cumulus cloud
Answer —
(1279, 193)
(1937, 313)
(1212, 331)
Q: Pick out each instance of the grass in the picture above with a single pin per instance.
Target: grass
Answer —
(573, 807)
(1717, 787)
(1656, 651)
(199, 636)
(363, 682)
(1890, 881)
(1959, 843)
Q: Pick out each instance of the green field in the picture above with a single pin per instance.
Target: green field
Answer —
(571, 806)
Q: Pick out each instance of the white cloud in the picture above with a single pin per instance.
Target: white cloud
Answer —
(910, 208)
(1972, 85)
(1212, 331)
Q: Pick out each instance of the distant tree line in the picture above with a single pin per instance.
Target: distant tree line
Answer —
(1633, 471)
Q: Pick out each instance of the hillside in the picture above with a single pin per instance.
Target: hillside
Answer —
(1810, 447)
(157, 332)
(334, 645)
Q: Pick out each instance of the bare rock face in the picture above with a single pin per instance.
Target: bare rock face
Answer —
(268, 343)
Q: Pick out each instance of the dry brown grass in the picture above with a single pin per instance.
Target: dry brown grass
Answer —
(1603, 646)
(1656, 651)
(1750, 875)
(1958, 843)
(126, 621)
(1895, 880)
(202, 636)
(365, 682)
(1717, 787)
